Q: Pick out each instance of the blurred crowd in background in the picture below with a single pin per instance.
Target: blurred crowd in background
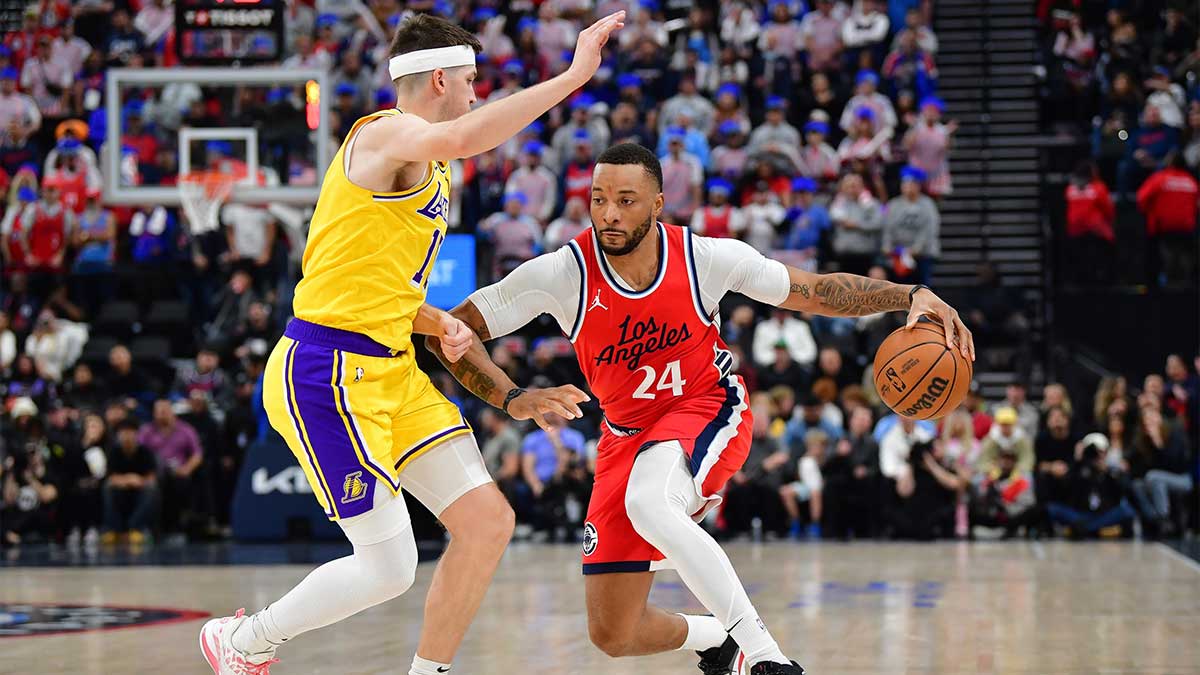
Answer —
(132, 348)
(1130, 81)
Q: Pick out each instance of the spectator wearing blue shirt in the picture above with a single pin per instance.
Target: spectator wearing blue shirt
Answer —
(808, 221)
(554, 468)
(545, 455)
(694, 141)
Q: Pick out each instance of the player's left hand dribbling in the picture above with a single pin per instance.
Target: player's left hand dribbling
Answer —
(455, 338)
(926, 303)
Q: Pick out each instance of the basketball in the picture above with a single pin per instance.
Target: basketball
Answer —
(917, 376)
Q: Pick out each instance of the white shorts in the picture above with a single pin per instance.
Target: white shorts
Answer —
(437, 479)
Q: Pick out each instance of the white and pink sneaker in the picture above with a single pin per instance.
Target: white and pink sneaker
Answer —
(216, 643)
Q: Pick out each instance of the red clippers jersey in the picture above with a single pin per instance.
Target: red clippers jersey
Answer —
(47, 236)
(716, 221)
(645, 352)
(578, 182)
(74, 189)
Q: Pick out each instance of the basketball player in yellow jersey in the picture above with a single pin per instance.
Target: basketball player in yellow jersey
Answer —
(342, 387)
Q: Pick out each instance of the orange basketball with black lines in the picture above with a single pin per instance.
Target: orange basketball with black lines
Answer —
(917, 376)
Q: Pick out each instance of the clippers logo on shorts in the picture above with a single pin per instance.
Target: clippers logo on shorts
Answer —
(640, 339)
(353, 488)
(590, 539)
(24, 620)
(437, 207)
(937, 387)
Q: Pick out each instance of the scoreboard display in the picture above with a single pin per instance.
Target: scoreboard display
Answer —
(228, 32)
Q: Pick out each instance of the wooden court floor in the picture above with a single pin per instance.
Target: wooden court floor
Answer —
(994, 607)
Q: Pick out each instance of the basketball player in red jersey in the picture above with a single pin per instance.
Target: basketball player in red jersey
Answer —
(639, 301)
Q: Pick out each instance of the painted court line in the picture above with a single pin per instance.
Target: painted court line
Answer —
(1172, 553)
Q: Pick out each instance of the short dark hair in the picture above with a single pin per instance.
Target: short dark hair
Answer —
(127, 425)
(632, 153)
(426, 31)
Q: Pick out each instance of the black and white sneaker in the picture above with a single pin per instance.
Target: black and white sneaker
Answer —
(772, 668)
(723, 660)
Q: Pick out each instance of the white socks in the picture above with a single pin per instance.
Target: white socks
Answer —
(422, 666)
(659, 499)
(756, 642)
(704, 632)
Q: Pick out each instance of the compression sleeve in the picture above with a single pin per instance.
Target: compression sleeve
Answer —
(730, 265)
(546, 284)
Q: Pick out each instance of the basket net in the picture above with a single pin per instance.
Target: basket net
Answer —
(202, 193)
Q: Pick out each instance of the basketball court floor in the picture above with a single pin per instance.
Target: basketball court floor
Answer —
(994, 607)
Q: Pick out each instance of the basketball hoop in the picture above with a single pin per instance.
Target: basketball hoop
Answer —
(202, 193)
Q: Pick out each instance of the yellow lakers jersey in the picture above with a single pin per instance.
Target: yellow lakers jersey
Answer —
(370, 254)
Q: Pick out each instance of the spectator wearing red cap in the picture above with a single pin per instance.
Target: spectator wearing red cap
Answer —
(1090, 212)
(1168, 199)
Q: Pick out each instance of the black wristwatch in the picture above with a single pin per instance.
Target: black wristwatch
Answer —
(914, 292)
(512, 394)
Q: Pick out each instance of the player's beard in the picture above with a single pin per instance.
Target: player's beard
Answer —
(632, 240)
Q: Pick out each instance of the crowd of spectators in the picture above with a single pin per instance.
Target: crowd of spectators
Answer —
(814, 132)
(1129, 80)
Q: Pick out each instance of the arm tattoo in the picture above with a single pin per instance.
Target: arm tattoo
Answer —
(469, 375)
(852, 295)
(802, 289)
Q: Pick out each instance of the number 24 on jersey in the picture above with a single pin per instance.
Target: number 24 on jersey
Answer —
(671, 380)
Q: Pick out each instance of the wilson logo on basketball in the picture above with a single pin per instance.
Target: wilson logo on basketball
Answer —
(937, 387)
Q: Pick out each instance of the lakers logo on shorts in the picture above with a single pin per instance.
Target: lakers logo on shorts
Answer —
(353, 488)
(590, 539)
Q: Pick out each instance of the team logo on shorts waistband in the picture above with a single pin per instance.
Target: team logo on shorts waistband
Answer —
(590, 539)
(353, 488)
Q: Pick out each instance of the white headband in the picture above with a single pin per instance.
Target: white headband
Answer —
(426, 60)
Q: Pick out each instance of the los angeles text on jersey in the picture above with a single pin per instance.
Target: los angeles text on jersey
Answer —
(640, 339)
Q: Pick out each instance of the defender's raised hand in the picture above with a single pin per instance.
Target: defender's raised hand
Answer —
(589, 46)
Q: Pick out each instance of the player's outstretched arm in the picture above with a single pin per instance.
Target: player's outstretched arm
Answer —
(843, 294)
(476, 372)
(406, 138)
